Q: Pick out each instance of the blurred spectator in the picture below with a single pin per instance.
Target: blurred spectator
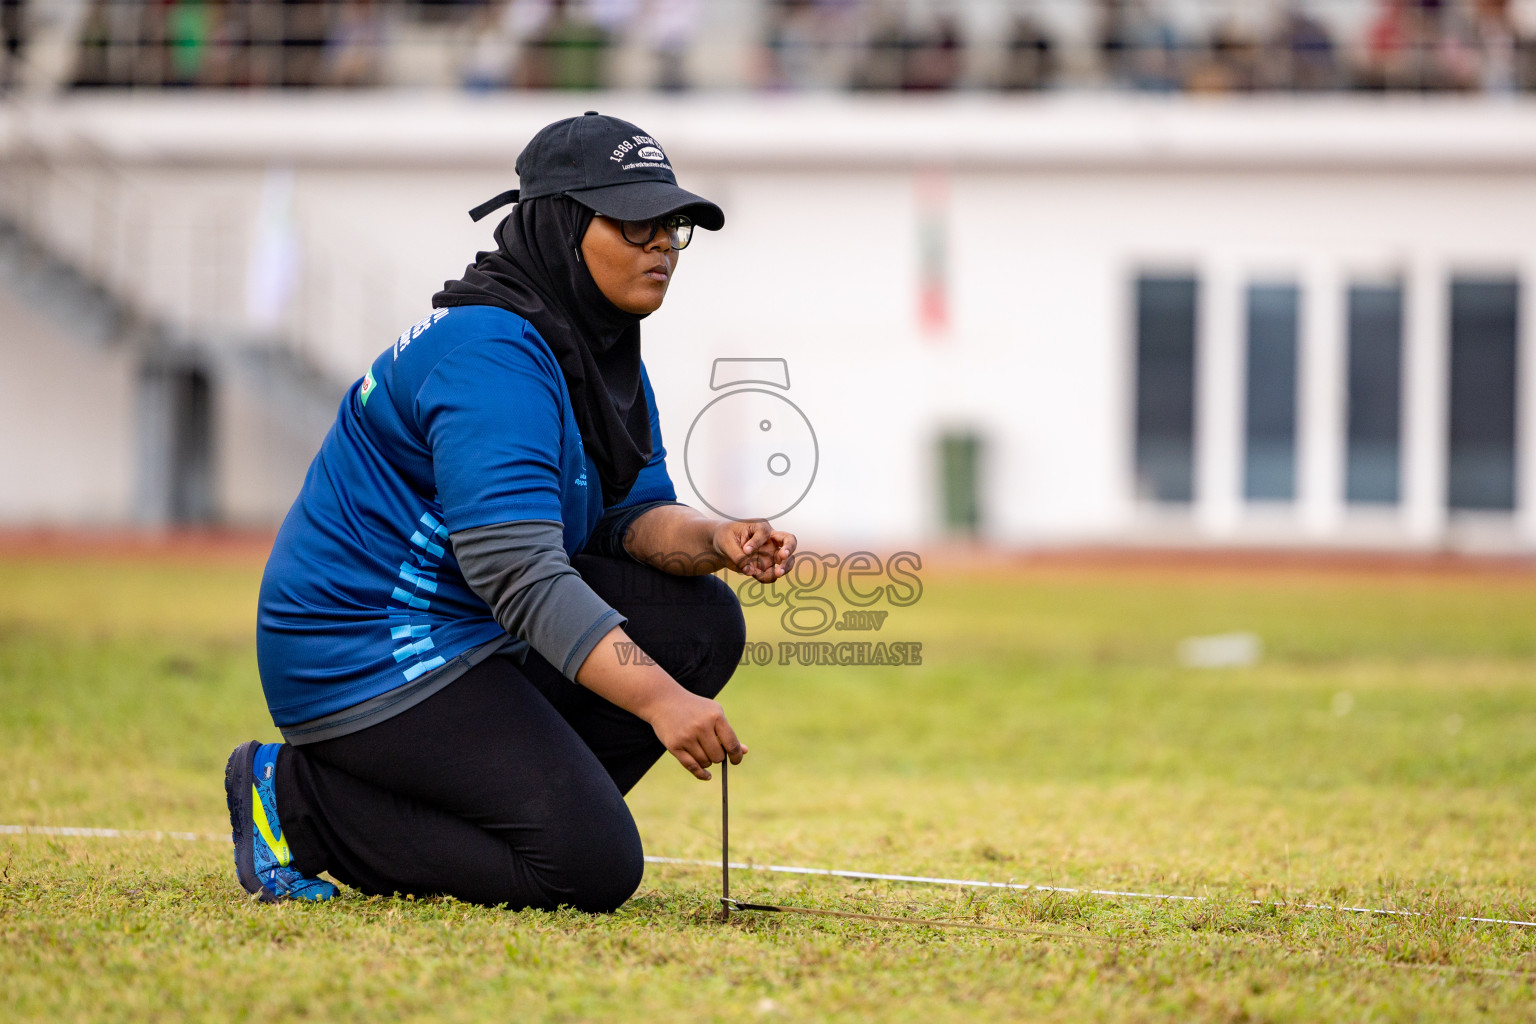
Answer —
(1457, 57)
(913, 45)
(899, 53)
(189, 28)
(492, 51)
(1139, 46)
(1228, 63)
(355, 44)
(1392, 43)
(1029, 63)
(884, 55)
(933, 57)
(494, 59)
(672, 27)
(1525, 51)
(10, 41)
(448, 10)
(96, 41)
(301, 42)
(788, 38)
(225, 57)
(811, 43)
(568, 52)
(110, 44)
(1497, 44)
(1405, 48)
(47, 40)
(1302, 56)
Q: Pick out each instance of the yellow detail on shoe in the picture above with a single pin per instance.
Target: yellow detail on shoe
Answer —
(279, 846)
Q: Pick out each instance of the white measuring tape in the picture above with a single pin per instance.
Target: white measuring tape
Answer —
(107, 833)
(790, 869)
(973, 883)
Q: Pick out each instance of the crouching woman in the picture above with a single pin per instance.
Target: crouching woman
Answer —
(486, 615)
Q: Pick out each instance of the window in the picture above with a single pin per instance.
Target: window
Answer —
(960, 477)
(1481, 458)
(1269, 466)
(1165, 388)
(1372, 465)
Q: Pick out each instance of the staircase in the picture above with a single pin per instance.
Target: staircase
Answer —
(224, 417)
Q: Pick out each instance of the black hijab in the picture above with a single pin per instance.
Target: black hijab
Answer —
(537, 272)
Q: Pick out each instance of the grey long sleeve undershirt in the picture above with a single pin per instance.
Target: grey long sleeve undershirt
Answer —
(521, 570)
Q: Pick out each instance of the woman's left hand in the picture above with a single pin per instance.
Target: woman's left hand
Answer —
(754, 548)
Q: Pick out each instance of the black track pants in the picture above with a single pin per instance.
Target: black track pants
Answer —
(507, 785)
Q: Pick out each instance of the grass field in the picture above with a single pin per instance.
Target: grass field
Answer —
(1383, 753)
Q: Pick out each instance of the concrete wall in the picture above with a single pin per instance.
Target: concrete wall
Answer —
(67, 445)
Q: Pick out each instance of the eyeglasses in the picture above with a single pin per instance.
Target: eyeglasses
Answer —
(679, 230)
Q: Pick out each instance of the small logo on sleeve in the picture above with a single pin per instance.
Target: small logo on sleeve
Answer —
(368, 385)
(415, 331)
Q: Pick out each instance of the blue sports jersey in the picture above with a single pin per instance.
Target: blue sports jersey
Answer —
(465, 421)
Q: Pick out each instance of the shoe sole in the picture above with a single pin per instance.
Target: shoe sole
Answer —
(239, 778)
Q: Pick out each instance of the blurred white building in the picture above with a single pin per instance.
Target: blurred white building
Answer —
(1043, 321)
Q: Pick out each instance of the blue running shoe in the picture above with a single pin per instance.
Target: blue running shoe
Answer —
(262, 859)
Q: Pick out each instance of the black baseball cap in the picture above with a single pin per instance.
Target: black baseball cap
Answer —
(607, 165)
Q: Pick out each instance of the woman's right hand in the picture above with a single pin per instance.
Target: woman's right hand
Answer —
(693, 728)
(695, 731)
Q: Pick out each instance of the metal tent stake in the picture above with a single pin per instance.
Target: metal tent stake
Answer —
(725, 843)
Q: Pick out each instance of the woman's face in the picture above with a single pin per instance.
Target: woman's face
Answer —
(632, 277)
